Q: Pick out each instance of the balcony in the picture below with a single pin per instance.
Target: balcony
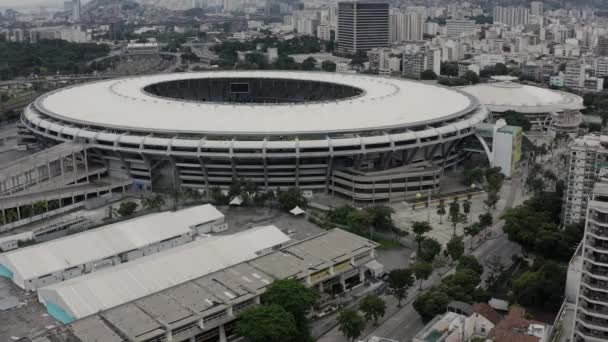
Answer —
(589, 335)
(595, 296)
(594, 309)
(595, 324)
(597, 230)
(598, 244)
(597, 257)
(594, 284)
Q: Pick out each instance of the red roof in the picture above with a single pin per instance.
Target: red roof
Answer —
(513, 328)
(487, 311)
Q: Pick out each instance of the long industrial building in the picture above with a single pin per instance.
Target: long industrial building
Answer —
(367, 138)
(65, 258)
(86, 295)
(204, 309)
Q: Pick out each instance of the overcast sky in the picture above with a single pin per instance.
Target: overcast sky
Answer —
(31, 3)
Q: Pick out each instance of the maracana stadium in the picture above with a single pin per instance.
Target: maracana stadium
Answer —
(367, 138)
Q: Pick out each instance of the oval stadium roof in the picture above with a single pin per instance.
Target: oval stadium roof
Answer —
(384, 103)
(505, 96)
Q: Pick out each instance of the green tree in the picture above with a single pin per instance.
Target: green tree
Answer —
(428, 74)
(127, 208)
(267, 324)
(359, 222)
(542, 286)
(350, 324)
(441, 210)
(471, 77)
(517, 119)
(309, 64)
(296, 299)
(292, 198)
(420, 228)
(454, 214)
(455, 247)
(472, 230)
(380, 217)
(466, 208)
(431, 303)
(399, 281)
(328, 66)
(495, 271)
(373, 308)
(429, 249)
(422, 271)
(359, 58)
(485, 222)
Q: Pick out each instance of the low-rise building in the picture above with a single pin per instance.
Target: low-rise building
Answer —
(72, 256)
(205, 307)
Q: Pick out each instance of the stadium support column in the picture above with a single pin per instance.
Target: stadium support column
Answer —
(330, 160)
(86, 164)
(205, 174)
(222, 332)
(297, 162)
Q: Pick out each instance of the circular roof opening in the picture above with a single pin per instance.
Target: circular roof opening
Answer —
(249, 90)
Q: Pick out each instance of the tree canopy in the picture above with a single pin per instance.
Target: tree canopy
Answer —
(517, 119)
(291, 198)
(47, 57)
(461, 286)
(399, 281)
(267, 324)
(373, 307)
(350, 323)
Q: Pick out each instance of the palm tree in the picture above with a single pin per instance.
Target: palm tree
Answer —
(441, 210)
(466, 208)
(11, 215)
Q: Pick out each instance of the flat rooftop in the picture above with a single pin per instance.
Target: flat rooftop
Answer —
(212, 293)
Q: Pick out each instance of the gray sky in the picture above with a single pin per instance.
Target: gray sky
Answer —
(31, 3)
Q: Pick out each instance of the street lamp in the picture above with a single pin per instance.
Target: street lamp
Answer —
(428, 204)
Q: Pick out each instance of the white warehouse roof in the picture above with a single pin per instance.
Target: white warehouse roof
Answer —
(124, 104)
(504, 96)
(89, 294)
(104, 242)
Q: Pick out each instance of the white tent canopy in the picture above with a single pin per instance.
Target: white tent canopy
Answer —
(297, 211)
(237, 200)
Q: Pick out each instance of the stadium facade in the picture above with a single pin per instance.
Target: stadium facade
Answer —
(364, 137)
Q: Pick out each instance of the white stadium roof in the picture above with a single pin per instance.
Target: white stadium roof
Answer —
(70, 251)
(384, 103)
(89, 294)
(504, 96)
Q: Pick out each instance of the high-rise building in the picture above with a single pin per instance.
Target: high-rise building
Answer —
(602, 45)
(324, 32)
(456, 27)
(601, 67)
(406, 26)
(537, 8)
(574, 77)
(592, 295)
(587, 157)
(67, 6)
(415, 63)
(76, 11)
(362, 25)
(511, 16)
